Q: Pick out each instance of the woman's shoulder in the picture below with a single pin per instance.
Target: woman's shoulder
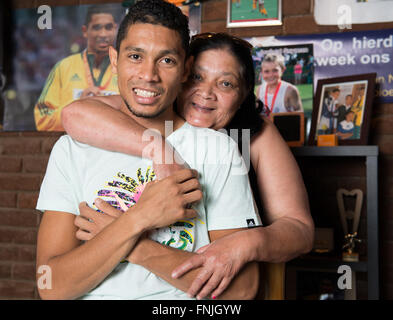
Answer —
(267, 141)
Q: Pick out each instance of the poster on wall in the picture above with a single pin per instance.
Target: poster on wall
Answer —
(347, 12)
(284, 78)
(347, 53)
(253, 13)
(60, 54)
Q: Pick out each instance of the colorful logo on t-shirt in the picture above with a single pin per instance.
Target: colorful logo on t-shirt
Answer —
(123, 191)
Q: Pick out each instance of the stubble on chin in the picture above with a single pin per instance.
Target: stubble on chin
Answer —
(141, 114)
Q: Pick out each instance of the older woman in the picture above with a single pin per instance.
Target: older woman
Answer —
(219, 94)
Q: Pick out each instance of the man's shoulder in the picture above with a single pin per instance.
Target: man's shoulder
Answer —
(290, 88)
(68, 145)
(200, 133)
(70, 60)
(204, 147)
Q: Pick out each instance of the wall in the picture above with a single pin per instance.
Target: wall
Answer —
(23, 158)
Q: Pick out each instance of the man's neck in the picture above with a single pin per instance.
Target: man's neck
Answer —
(98, 57)
(160, 122)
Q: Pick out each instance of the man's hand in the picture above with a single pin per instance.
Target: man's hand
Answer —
(166, 201)
(163, 203)
(90, 91)
(220, 260)
(90, 222)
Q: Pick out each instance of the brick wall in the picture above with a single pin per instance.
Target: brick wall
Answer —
(23, 158)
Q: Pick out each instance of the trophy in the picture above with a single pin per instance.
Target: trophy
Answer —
(353, 216)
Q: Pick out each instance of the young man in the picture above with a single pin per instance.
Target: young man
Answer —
(276, 94)
(83, 74)
(357, 108)
(157, 230)
(328, 121)
(344, 108)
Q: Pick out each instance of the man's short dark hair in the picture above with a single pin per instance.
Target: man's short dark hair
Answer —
(157, 12)
(97, 9)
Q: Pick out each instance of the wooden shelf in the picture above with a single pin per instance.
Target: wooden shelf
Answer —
(340, 151)
(371, 266)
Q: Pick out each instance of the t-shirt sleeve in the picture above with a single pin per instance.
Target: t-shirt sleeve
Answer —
(47, 111)
(229, 200)
(57, 192)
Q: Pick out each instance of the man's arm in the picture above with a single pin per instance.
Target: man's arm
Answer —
(76, 269)
(162, 260)
(47, 110)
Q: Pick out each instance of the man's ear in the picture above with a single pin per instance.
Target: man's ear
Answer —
(113, 59)
(187, 68)
(84, 31)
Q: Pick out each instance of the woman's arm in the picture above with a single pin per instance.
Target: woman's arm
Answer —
(290, 230)
(98, 121)
(161, 260)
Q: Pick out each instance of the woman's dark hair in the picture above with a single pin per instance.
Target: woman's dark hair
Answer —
(247, 116)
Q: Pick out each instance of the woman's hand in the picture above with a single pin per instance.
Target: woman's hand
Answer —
(167, 161)
(220, 260)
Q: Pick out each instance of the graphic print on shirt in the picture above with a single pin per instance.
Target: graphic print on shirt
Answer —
(123, 191)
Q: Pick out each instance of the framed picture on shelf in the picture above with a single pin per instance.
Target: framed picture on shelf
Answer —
(291, 127)
(254, 13)
(342, 107)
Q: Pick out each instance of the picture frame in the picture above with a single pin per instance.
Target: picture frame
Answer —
(255, 13)
(291, 127)
(342, 106)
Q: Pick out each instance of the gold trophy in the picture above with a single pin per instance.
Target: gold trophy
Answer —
(350, 239)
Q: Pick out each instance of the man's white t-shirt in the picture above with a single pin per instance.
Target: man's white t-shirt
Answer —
(78, 172)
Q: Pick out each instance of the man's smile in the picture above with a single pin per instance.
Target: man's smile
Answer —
(145, 93)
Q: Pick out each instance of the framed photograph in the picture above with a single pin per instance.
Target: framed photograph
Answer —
(49, 66)
(254, 13)
(284, 77)
(342, 106)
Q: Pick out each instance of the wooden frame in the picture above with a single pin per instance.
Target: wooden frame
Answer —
(291, 127)
(330, 115)
(241, 13)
